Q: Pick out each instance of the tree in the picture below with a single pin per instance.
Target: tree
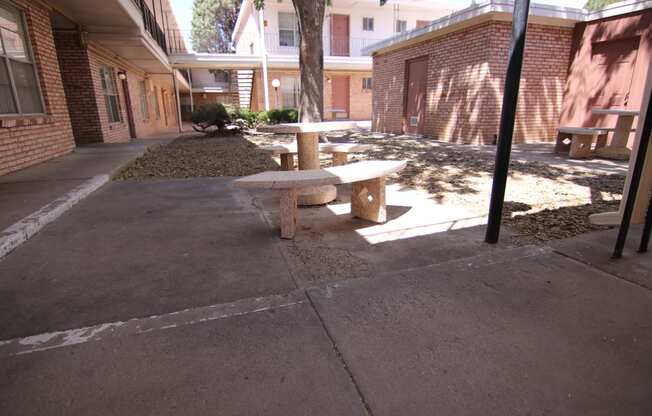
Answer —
(212, 25)
(310, 14)
(598, 4)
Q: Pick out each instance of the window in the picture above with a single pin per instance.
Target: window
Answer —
(221, 76)
(401, 26)
(366, 83)
(144, 99)
(157, 108)
(110, 91)
(368, 24)
(19, 87)
(290, 88)
(288, 30)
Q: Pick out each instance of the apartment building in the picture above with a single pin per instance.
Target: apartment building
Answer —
(446, 80)
(76, 72)
(349, 27)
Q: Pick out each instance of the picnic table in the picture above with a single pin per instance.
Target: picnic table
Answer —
(308, 153)
(618, 147)
(616, 150)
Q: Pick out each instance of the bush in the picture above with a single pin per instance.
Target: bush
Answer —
(210, 118)
(286, 115)
(249, 119)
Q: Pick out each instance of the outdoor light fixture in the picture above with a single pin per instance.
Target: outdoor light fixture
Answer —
(122, 75)
(276, 83)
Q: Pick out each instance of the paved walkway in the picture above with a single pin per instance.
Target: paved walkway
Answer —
(27, 190)
(177, 297)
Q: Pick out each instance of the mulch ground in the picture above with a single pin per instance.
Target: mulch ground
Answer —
(200, 157)
(544, 201)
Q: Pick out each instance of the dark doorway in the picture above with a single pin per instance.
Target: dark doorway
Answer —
(415, 96)
(128, 106)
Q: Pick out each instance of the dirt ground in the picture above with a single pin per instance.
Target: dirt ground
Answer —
(547, 197)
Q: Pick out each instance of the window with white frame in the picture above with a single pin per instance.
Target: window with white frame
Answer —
(366, 83)
(401, 26)
(220, 76)
(368, 24)
(144, 99)
(288, 30)
(110, 91)
(19, 87)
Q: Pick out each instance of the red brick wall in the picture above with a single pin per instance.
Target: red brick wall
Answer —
(25, 141)
(77, 79)
(466, 72)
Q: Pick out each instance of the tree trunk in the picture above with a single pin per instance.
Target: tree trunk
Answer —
(311, 58)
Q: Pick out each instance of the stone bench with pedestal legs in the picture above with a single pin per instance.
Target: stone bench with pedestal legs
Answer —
(339, 151)
(577, 141)
(367, 193)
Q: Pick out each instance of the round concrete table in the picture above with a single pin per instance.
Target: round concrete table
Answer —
(308, 153)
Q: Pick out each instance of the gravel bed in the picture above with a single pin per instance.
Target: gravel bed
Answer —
(545, 200)
(200, 157)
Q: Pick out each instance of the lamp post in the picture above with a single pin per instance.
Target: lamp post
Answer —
(276, 83)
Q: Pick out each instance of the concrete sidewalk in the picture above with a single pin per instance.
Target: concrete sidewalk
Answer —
(27, 190)
(176, 297)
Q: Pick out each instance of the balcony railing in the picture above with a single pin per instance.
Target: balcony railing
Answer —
(333, 45)
(151, 25)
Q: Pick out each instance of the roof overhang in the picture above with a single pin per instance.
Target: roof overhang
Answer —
(216, 60)
(476, 14)
(331, 63)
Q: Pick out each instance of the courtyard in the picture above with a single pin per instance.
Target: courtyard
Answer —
(171, 292)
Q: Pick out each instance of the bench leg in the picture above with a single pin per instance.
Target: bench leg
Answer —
(368, 200)
(340, 158)
(287, 161)
(563, 143)
(288, 213)
(601, 141)
(580, 146)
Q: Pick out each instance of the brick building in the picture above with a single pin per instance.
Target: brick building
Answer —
(446, 80)
(73, 73)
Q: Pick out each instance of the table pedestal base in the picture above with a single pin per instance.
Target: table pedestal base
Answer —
(605, 218)
(613, 152)
(316, 195)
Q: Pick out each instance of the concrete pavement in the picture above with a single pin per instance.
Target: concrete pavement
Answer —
(177, 297)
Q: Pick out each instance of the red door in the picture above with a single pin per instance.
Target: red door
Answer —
(340, 86)
(339, 35)
(614, 63)
(415, 96)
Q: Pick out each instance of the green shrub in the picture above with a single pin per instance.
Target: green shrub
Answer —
(286, 115)
(249, 119)
(210, 118)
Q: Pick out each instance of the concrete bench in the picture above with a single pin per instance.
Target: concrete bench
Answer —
(577, 141)
(367, 193)
(339, 151)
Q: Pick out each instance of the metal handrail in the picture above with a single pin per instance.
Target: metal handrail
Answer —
(151, 25)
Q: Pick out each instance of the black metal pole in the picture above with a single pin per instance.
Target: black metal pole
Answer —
(635, 182)
(507, 118)
(647, 230)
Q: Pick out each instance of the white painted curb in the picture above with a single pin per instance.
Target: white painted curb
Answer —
(24, 229)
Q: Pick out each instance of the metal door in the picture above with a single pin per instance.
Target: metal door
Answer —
(415, 96)
(339, 35)
(614, 63)
(340, 87)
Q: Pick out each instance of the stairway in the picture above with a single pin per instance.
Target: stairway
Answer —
(245, 84)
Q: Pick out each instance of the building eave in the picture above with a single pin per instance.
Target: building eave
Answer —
(331, 63)
(490, 10)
